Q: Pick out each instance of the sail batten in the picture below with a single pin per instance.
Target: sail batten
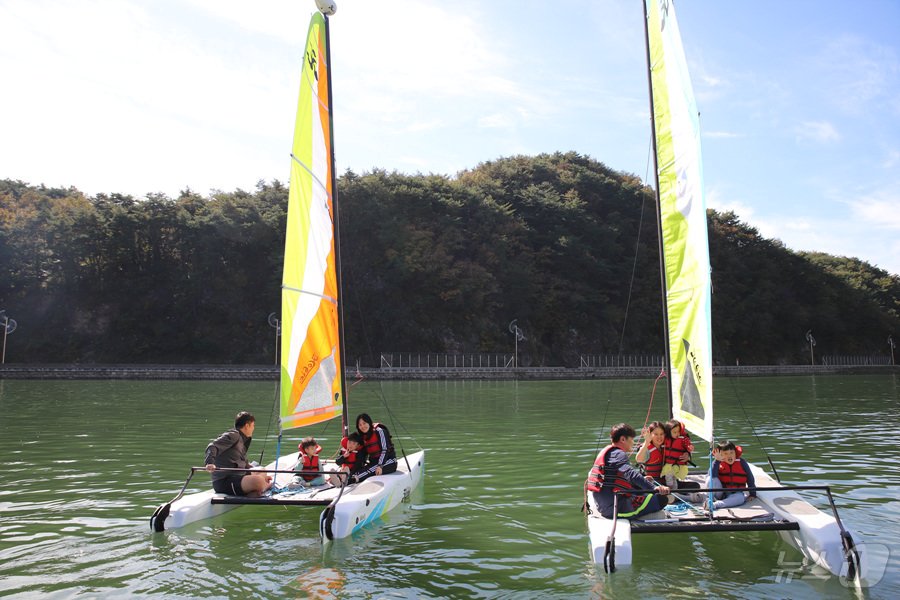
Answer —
(683, 226)
(311, 362)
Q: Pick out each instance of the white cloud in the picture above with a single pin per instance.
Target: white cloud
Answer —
(879, 210)
(717, 198)
(496, 121)
(860, 73)
(891, 159)
(131, 100)
(282, 19)
(817, 131)
(721, 134)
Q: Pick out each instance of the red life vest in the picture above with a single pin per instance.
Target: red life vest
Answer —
(598, 478)
(733, 475)
(310, 463)
(676, 447)
(348, 457)
(372, 441)
(655, 460)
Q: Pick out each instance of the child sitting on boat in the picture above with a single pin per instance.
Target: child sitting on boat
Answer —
(309, 461)
(678, 448)
(729, 470)
(349, 458)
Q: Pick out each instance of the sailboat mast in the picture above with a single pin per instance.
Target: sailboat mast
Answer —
(337, 236)
(659, 229)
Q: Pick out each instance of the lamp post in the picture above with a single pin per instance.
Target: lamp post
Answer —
(892, 345)
(9, 325)
(276, 325)
(812, 342)
(519, 335)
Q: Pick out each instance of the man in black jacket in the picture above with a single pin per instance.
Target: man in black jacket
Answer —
(229, 451)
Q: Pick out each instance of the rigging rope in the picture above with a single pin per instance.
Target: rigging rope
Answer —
(637, 246)
(368, 344)
(275, 414)
(737, 397)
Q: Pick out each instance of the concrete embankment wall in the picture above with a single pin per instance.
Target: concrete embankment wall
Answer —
(269, 372)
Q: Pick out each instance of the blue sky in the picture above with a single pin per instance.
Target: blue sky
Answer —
(799, 100)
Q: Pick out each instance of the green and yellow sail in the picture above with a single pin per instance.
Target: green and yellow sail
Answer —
(311, 360)
(685, 244)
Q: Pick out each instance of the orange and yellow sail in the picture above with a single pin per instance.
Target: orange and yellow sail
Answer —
(685, 245)
(311, 359)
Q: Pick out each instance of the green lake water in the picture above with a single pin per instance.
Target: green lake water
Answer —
(498, 515)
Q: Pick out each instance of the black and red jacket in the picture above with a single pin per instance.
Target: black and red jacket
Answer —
(378, 445)
(379, 450)
(608, 476)
(349, 458)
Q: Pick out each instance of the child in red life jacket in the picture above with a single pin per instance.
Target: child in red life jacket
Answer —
(678, 448)
(349, 458)
(309, 461)
(651, 454)
(732, 472)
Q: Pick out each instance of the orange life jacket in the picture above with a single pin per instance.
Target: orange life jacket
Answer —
(733, 475)
(676, 447)
(310, 463)
(598, 478)
(347, 458)
(655, 461)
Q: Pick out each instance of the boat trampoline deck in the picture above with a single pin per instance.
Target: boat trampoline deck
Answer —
(751, 516)
(271, 501)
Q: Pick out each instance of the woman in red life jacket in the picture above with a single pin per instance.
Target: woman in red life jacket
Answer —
(678, 453)
(379, 449)
(652, 452)
(309, 461)
(612, 473)
(732, 472)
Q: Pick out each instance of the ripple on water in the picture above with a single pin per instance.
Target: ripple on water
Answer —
(489, 524)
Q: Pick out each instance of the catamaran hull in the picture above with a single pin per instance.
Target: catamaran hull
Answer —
(600, 532)
(818, 537)
(372, 498)
(357, 506)
(816, 534)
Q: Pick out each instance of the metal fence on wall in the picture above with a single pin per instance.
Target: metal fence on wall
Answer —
(597, 361)
(437, 360)
(856, 360)
(444, 360)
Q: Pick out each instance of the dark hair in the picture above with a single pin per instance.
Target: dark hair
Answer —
(656, 425)
(242, 418)
(365, 417)
(355, 437)
(671, 424)
(621, 430)
(307, 442)
(726, 445)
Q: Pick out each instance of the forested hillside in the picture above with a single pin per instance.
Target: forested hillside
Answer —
(431, 264)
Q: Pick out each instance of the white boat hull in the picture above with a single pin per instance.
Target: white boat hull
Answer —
(818, 537)
(600, 529)
(358, 505)
(363, 503)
